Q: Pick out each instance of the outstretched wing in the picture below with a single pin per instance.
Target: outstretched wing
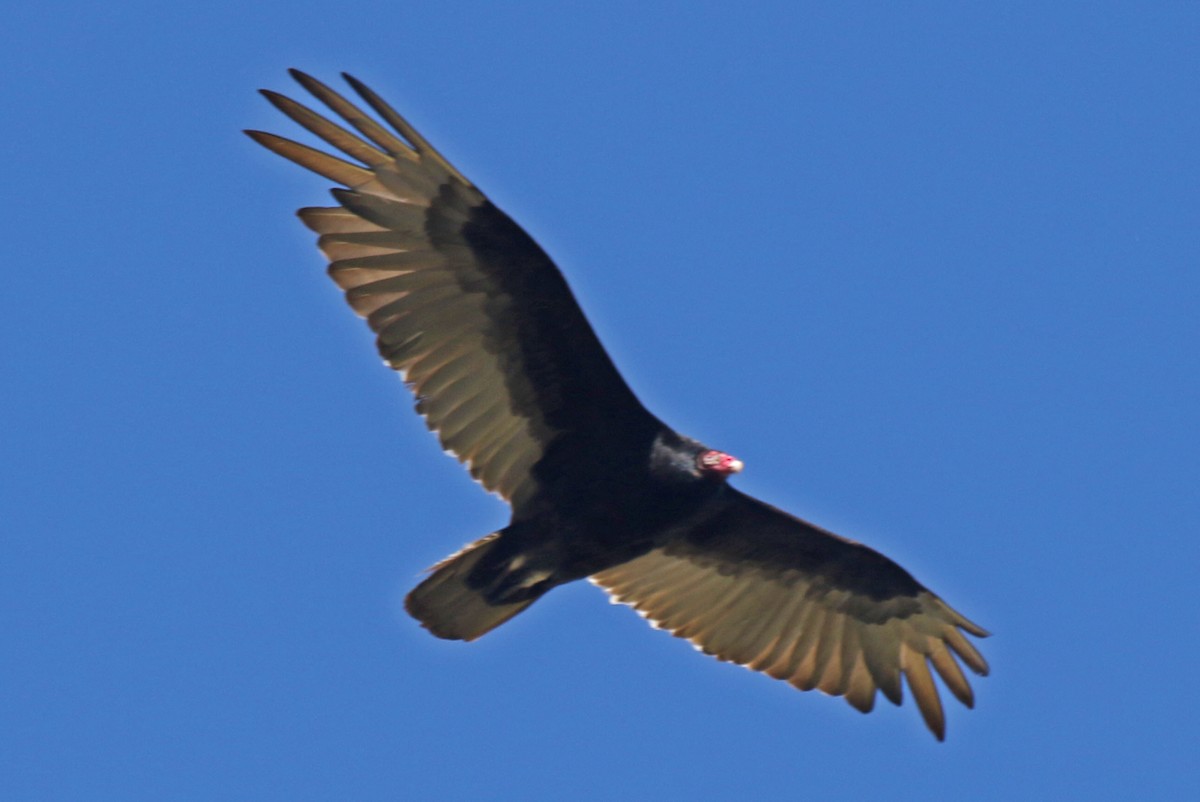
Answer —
(465, 304)
(755, 586)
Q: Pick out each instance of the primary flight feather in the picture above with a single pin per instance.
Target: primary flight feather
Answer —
(509, 374)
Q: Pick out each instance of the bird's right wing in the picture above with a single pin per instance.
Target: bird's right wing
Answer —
(755, 586)
(465, 304)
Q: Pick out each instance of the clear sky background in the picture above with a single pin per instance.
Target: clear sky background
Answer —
(931, 271)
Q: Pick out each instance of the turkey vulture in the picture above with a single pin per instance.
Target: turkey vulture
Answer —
(508, 372)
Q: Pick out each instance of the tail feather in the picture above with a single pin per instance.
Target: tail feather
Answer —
(449, 608)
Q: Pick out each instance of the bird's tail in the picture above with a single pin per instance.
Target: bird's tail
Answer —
(450, 607)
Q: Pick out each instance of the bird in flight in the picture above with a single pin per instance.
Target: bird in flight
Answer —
(510, 375)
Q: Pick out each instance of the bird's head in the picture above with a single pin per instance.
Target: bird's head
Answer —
(718, 464)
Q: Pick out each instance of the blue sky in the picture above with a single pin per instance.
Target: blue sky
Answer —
(931, 272)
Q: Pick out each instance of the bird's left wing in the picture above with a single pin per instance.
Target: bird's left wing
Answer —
(465, 304)
(755, 586)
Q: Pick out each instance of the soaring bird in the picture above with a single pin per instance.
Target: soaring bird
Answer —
(509, 374)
